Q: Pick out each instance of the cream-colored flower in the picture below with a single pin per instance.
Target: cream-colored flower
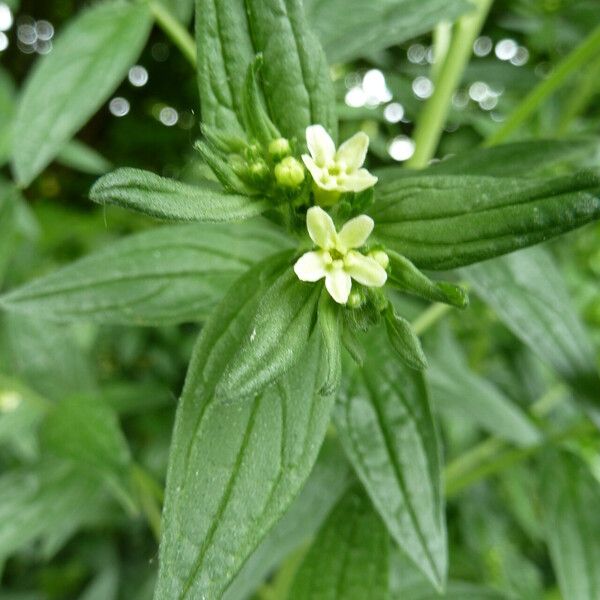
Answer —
(337, 171)
(336, 258)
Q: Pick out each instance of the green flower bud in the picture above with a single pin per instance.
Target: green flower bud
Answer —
(381, 257)
(289, 172)
(279, 149)
(258, 171)
(356, 299)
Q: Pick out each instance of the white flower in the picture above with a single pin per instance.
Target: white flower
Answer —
(337, 171)
(336, 258)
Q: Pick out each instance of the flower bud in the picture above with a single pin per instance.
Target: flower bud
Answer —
(258, 171)
(289, 172)
(356, 299)
(279, 149)
(381, 257)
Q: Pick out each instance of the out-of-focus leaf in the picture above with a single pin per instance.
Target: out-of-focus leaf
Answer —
(458, 390)
(44, 356)
(85, 430)
(349, 558)
(529, 295)
(48, 502)
(456, 591)
(295, 77)
(350, 29)
(182, 9)
(66, 87)
(7, 110)
(235, 468)
(572, 523)
(167, 275)
(164, 198)
(8, 223)
(328, 481)
(104, 586)
(77, 155)
(387, 429)
(445, 221)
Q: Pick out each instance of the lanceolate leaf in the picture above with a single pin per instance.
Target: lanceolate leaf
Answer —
(88, 61)
(572, 521)
(234, 470)
(386, 427)
(529, 295)
(170, 274)
(295, 76)
(440, 222)
(349, 558)
(169, 199)
(349, 29)
(328, 481)
(257, 332)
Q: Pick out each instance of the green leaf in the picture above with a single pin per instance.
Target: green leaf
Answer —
(7, 111)
(44, 356)
(529, 295)
(328, 481)
(446, 221)
(48, 502)
(408, 279)
(295, 77)
(170, 274)
(386, 427)
(235, 469)
(182, 9)
(257, 332)
(85, 430)
(456, 591)
(404, 340)
(163, 198)
(572, 523)
(77, 155)
(349, 558)
(66, 87)
(8, 223)
(457, 390)
(330, 324)
(350, 29)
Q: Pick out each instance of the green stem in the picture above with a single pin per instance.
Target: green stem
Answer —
(177, 33)
(151, 497)
(580, 97)
(587, 50)
(429, 317)
(433, 116)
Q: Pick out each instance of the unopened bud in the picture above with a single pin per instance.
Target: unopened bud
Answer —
(356, 299)
(258, 171)
(289, 172)
(381, 257)
(279, 149)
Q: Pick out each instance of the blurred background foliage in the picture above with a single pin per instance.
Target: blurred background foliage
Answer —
(82, 524)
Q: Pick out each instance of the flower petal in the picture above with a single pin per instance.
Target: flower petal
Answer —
(320, 145)
(364, 269)
(320, 228)
(353, 151)
(316, 172)
(356, 231)
(310, 266)
(338, 284)
(358, 181)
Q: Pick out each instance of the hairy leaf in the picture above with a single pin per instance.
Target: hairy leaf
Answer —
(528, 293)
(349, 558)
(572, 523)
(234, 469)
(446, 221)
(327, 483)
(350, 29)
(169, 199)
(170, 274)
(88, 61)
(386, 427)
(295, 76)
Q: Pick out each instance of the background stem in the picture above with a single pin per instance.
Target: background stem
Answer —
(175, 31)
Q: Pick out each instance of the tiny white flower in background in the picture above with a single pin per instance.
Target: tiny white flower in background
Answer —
(337, 259)
(337, 171)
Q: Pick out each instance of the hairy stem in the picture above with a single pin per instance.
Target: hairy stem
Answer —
(433, 116)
